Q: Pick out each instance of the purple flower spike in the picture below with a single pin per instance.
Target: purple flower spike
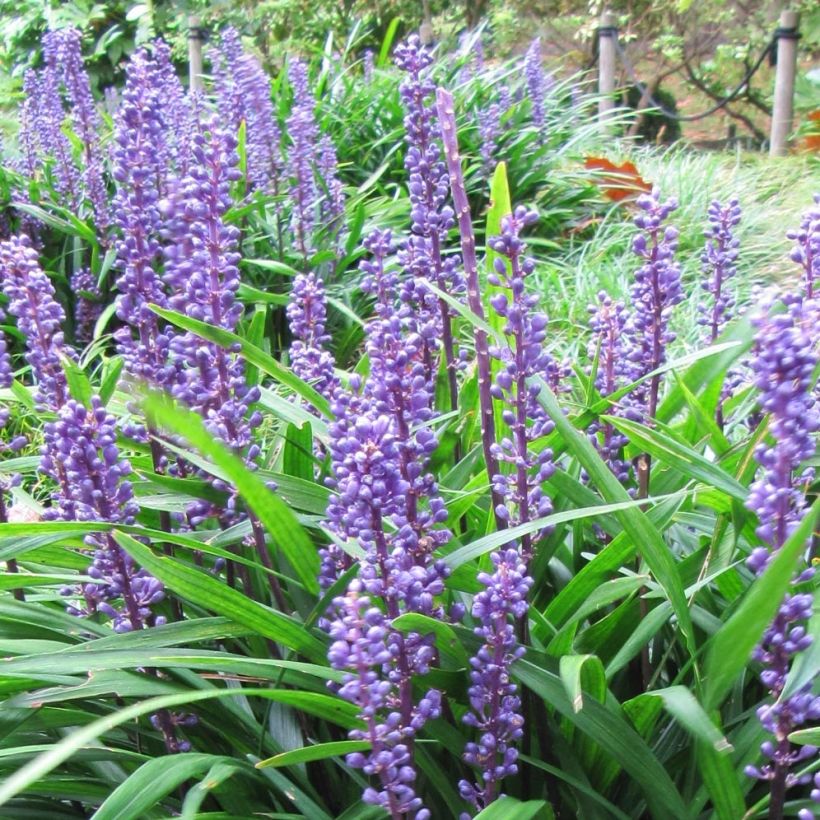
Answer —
(40, 317)
(88, 305)
(496, 708)
(807, 248)
(784, 360)
(489, 131)
(718, 259)
(538, 85)
(304, 137)
(50, 118)
(333, 203)
(307, 313)
(523, 359)
(202, 268)
(244, 95)
(86, 118)
(139, 155)
(656, 291)
(431, 216)
(608, 322)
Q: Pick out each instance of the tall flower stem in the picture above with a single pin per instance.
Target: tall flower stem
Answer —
(447, 120)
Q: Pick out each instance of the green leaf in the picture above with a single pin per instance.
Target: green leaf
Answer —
(508, 808)
(496, 539)
(682, 705)
(78, 385)
(319, 751)
(151, 782)
(721, 780)
(278, 519)
(729, 650)
(806, 737)
(582, 673)
(64, 749)
(201, 588)
(251, 353)
(683, 459)
(636, 524)
(613, 734)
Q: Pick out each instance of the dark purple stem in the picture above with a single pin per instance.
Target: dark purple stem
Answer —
(447, 120)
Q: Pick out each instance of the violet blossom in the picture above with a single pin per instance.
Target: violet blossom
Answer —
(496, 707)
(719, 260)
(310, 358)
(67, 46)
(538, 86)
(139, 157)
(430, 214)
(523, 359)
(303, 133)
(806, 251)
(783, 363)
(40, 318)
(202, 271)
(332, 207)
(88, 305)
(656, 291)
(608, 322)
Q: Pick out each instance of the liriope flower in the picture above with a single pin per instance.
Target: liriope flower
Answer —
(202, 272)
(806, 251)
(303, 133)
(310, 358)
(40, 318)
(718, 260)
(85, 117)
(608, 322)
(140, 169)
(523, 359)
(431, 216)
(656, 291)
(496, 707)
(785, 357)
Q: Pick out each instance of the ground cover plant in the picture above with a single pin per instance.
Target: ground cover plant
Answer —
(365, 456)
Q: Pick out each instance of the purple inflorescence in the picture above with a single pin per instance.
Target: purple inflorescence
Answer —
(496, 708)
(370, 506)
(88, 305)
(368, 65)
(806, 251)
(785, 357)
(140, 170)
(489, 131)
(179, 110)
(244, 95)
(307, 313)
(303, 133)
(718, 259)
(608, 323)
(333, 202)
(229, 100)
(656, 291)
(67, 45)
(523, 359)
(431, 216)
(538, 85)
(40, 317)
(50, 115)
(202, 270)
(84, 439)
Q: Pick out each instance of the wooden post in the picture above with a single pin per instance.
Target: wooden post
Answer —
(783, 108)
(194, 54)
(607, 38)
